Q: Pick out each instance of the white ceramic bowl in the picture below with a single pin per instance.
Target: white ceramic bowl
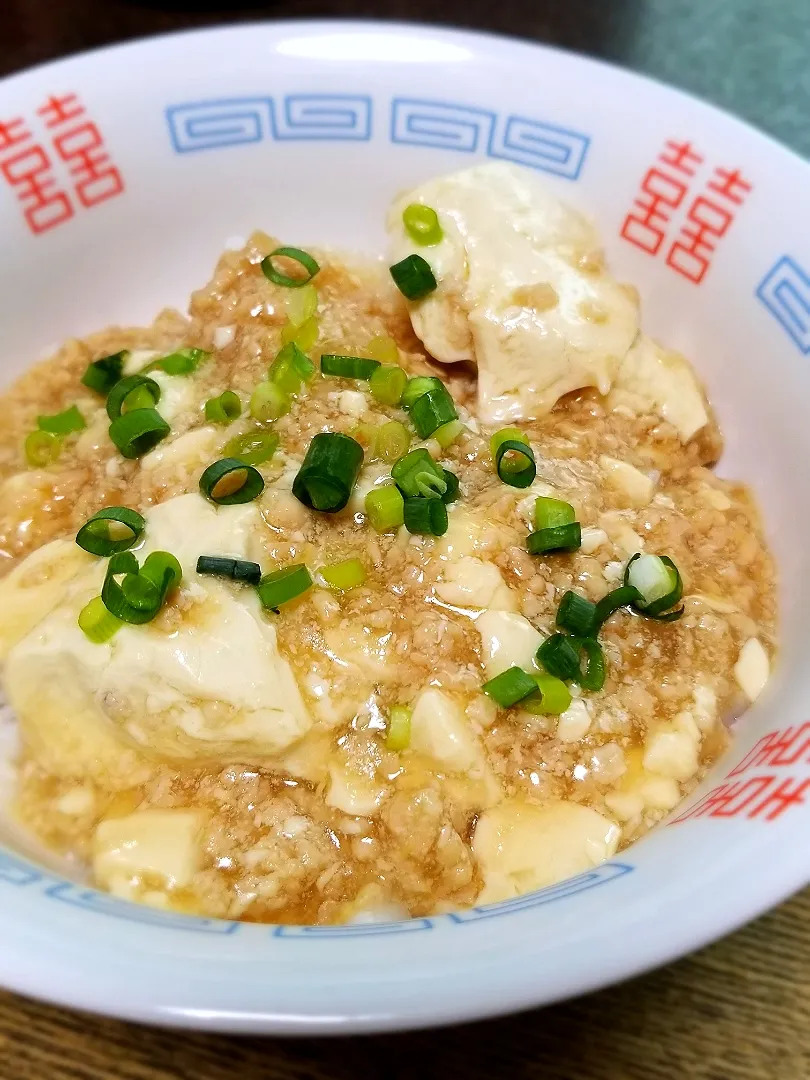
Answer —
(307, 130)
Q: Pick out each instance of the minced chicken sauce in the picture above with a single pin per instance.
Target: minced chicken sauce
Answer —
(156, 760)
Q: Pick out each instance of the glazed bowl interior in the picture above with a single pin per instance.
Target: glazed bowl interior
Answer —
(307, 131)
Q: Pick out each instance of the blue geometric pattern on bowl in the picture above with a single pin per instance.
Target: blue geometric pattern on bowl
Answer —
(322, 116)
(785, 292)
(206, 125)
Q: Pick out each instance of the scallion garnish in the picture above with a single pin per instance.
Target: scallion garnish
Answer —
(253, 448)
(577, 615)
(230, 481)
(387, 384)
(140, 594)
(624, 596)
(417, 386)
(348, 367)
(102, 375)
(425, 517)
(182, 362)
(391, 440)
(559, 656)
(552, 513)
(552, 697)
(593, 676)
(447, 434)
(422, 224)
(268, 402)
(132, 393)
(42, 448)
(510, 687)
(291, 368)
(113, 529)
(301, 305)
(658, 583)
(345, 575)
(223, 409)
(136, 433)
(303, 258)
(514, 462)
(385, 508)
(283, 585)
(96, 623)
(418, 476)
(63, 423)
(398, 729)
(328, 472)
(383, 348)
(432, 410)
(241, 570)
(413, 277)
(452, 487)
(304, 336)
(563, 538)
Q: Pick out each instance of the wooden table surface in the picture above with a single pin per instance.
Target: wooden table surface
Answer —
(738, 1010)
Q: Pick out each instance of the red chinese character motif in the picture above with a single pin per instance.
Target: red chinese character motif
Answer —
(27, 168)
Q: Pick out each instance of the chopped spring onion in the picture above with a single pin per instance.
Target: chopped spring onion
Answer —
(348, 367)
(387, 384)
(343, 576)
(223, 409)
(418, 476)
(303, 258)
(422, 224)
(398, 731)
(240, 570)
(283, 585)
(131, 393)
(452, 486)
(432, 410)
(103, 374)
(413, 277)
(268, 402)
(136, 433)
(291, 368)
(563, 538)
(182, 362)
(507, 434)
(552, 513)
(328, 472)
(552, 698)
(113, 529)
(96, 623)
(447, 434)
(391, 440)
(510, 687)
(304, 336)
(658, 582)
(253, 448)
(301, 304)
(593, 676)
(63, 423)
(42, 448)
(383, 348)
(140, 594)
(621, 597)
(385, 508)
(417, 386)
(514, 458)
(559, 656)
(426, 517)
(577, 615)
(230, 481)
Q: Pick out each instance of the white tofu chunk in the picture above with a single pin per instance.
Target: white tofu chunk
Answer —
(471, 582)
(752, 669)
(507, 640)
(441, 731)
(162, 844)
(636, 487)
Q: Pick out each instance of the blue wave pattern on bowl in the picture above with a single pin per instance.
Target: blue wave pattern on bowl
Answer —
(785, 292)
(19, 873)
(214, 124)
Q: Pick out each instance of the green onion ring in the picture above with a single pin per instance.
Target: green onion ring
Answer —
(297, 255)
(94, 535)
(251, 487)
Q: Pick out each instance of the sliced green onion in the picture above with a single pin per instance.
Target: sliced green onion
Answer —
(418, 476)
(268, 402)
(63, 423)
(559, 656)
(253, 448)
(301, 304)
(552, 513)
(182, 362)
(422, 224)
(447, 434)
(291, 368)
(240, 570)
(283, 585)
(593, 676)
(398, 731)
(304, 336)
(426, 517)
(348, 367)
(564, 538)
(343, 576)
(391, 440)
(510, 687)
(383, 348)
(230, 481)
(413, 277)
(328, 472)
(163, 569)
(577, 615)
(417, 386)
(387, 384)
(552, 698)
(113, 529)
(507, 434)
(42, 448)
(96, 623)
(385, 508)
(132, 393)
(139, 596)
(622, 597)
(103, 374)
(138, 432)
(432, 410)
(658, 582)
(514, 463)
(452, 487)
(223, 409)
(303, 258)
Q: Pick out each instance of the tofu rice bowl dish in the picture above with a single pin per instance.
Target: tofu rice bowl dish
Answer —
(373, 589)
